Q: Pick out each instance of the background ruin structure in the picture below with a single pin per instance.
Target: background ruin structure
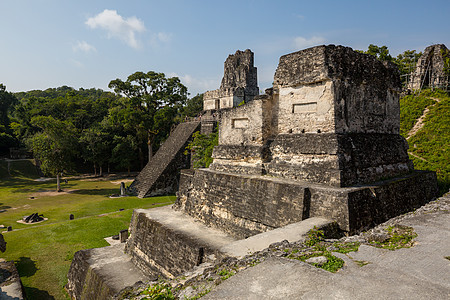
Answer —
(432, 69)
(322, 144)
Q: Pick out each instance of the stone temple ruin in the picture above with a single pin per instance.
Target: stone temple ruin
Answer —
(432, 69)
(322, 144)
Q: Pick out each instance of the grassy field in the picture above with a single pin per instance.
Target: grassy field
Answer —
(429, 148)
(43, 252)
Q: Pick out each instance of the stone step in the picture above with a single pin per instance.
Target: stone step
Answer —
(168, 242)
(292, 233)
(158, 176)
(101, 273)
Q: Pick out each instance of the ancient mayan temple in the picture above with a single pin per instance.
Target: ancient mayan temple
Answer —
(432, 69)
(322, 145)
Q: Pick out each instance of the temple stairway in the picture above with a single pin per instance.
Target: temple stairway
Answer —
(160, 174)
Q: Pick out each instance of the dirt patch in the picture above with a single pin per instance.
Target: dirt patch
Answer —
(52, 193)
(25, 206)
(123, 180)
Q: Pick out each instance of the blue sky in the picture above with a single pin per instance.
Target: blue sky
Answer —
(50, 43)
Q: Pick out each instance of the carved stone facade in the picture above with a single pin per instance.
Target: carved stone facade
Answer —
(239, 83)
(323, 141)
(332, 117)
(432, 69)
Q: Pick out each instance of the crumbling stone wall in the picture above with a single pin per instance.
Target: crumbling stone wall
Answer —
(431, 68)
(335, 89)
(239, 83)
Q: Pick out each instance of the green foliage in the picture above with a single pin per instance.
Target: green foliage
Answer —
(361, 263)
(446, 56)
(7, 102)
(406, 63)
(400, 237)
(429, 147)
(144, 94)
(346, 247)
(201, 148)
(124, 151)
(159, 291)
(381, 53)
(54, 146)
(193, 107)
(314, 237)
(225, 273)
(332, 265)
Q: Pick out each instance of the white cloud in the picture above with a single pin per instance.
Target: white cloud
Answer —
(196, 85)
(160, 38)
(118, 27)
(301, 42)
(83, 46)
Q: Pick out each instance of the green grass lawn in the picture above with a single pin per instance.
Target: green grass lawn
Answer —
(43, 252)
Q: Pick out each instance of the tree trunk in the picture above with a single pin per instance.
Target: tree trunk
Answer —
(58, 182)
(109, 171)
(150, 150)
(101, 171)
(95, 170)
(141, 157)
(128, 171)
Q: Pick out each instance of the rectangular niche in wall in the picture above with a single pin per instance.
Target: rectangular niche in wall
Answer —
(239, 123)
(308, 107)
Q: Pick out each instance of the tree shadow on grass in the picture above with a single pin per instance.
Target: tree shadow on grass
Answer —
(3, 208)
(34, 293)
(26, 266)
(104, 192)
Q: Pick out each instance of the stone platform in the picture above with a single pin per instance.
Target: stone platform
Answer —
(245, 205)
(101, 273)
(173, 243)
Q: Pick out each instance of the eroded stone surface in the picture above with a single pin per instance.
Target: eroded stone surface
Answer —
(239, 83)
(430, 68)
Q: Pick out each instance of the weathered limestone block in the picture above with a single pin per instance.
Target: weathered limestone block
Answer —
(335, 89)
(338, 159)
(163, 242)
(239, 83)
(240, 205)
(101, 273)
(430, 68)
(245, 205)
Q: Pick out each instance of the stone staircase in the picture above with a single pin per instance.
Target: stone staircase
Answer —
(160, 175)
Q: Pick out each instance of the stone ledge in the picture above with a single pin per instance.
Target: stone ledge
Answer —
(100, 273)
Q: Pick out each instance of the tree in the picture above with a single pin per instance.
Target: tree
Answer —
(96, 144)
(144, 95)
(201, 148)
(54, 146)
(123, 152)
(381, 53)
(193, 107)
(7, 102)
